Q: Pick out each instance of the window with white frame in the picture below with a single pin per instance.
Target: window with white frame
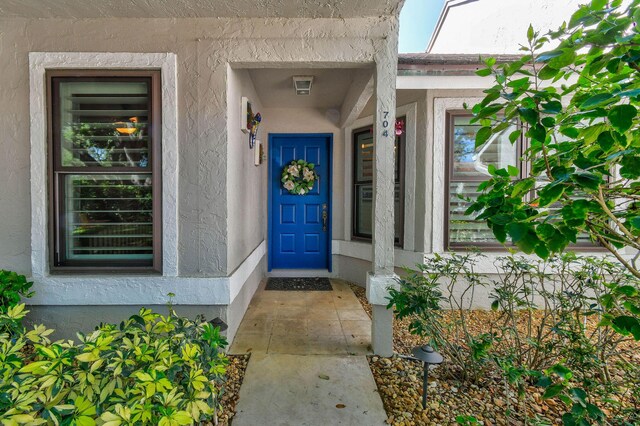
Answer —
(467, 167)
(105, 169)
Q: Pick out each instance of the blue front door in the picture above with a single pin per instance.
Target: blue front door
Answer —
(300, 225)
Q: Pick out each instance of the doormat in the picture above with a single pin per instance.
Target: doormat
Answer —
(299, 284)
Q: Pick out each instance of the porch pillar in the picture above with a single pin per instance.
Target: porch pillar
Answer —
(382, 276)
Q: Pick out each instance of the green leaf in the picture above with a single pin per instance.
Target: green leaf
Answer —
(627, 325)
(634, 309)
(578, 16)
(544, 382)
(627, 290)
(547, 73)
(594, 411)
(484, 72)
(530, 33)
(552, 107)
(529, 115)
(542, 251)
(552, 391)
(500, 219)
(567, 57)
(513, 171)
(519, 83)
(606, 141)
(515, 135)
(87, 357)
(550, 194)
(629, 93)
(570, 132)
(634, 222)
(630, 166)
(538, 133)
(523, 236)
(621, 117)
(522, 187)
(562, 371)
(596, 100)
(483, 135)
(85, 421)
(545, 56)
(587, 180)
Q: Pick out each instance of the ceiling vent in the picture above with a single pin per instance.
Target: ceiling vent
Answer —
(302, 84)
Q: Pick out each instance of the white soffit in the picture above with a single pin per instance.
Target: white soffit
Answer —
(78, 9)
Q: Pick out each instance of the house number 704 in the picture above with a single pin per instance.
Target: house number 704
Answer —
(385, 123)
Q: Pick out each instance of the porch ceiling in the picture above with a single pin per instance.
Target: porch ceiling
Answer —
(197, 8)
(275, 87)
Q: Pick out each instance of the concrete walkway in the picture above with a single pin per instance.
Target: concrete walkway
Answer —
(308, 363)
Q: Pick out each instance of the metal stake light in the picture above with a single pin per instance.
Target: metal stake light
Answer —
(428, 356)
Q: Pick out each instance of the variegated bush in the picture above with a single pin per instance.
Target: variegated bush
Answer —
(150, 369)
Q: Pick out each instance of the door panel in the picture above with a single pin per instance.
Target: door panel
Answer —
(299, 236)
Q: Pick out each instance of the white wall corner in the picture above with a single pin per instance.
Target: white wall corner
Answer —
(39, 63)
(241, 275)
(378, 287)
(359, 93)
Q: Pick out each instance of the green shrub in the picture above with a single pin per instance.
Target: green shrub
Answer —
(566, 324)
(150, 369)
(13, 287)
(437, 298)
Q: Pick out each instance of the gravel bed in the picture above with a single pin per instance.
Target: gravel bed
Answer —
(235, 375)
(399, 382)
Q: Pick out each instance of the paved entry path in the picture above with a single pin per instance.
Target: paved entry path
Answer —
(308, 361)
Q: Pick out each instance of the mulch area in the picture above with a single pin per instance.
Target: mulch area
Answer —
(235, 375)
(399, 382)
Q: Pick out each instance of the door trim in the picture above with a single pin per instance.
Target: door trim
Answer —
(329, 137)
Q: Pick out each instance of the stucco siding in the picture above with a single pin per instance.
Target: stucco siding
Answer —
(246, 194)
(67, 320)
(204, 48)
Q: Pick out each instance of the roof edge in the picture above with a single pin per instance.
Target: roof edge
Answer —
(451, 59)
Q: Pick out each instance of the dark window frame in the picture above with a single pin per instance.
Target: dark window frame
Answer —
(56, 171)
(400, 170)
(523, 167)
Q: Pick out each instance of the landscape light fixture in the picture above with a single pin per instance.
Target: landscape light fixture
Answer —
(428, 356)
(217, 322)
(302, 84)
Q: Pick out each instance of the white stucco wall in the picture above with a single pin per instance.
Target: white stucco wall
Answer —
(204, 47)
(217, 251)
(246, 195)
(497, 26)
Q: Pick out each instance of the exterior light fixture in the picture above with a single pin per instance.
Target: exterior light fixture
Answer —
(302, 84)
(428, 356)
(217, 322)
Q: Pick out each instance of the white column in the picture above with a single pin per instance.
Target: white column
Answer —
(382, 275)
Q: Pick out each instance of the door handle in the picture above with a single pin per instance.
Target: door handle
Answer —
(325, 216)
